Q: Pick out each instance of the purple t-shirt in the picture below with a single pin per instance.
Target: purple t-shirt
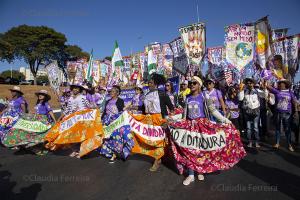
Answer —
(42, 109)
(89, 97)
(215, 96)
(16, 104)
(232, 104)
(284, 100)
(111, 107)
(195, 107)
(64, 101)
(137, 100)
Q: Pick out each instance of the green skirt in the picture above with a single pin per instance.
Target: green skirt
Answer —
(28, 131)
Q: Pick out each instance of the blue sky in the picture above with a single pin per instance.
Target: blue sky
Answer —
(135, 23)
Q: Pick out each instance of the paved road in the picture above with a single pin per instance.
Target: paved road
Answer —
(264, 174)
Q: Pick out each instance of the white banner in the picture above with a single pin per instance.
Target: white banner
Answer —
(76, 118)
(239, 44)
(54, 76)
(288, 48)
(193, 37)
(215, 55)
(199, 141)
(263, 39)
(147, 131)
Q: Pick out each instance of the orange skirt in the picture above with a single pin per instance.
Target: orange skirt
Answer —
(150, 139)
(83, 127)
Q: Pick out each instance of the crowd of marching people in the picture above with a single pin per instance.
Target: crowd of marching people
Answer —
(248, 109)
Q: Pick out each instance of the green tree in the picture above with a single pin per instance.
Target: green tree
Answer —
(15, 74)
(108, 58)
(43, 79)
(36, 45)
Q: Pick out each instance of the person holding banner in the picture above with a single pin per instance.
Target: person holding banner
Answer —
(17, 106)
(22, 134)
(77, 101)
(197, 107)
(155, 107)
(120, 141)
(42, 106)
(280, 71)
(18, 103)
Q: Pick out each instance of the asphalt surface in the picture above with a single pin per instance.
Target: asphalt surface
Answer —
(263, 174)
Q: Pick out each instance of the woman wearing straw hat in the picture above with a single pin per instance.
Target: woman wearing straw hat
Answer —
(16, 107)
(42, 106)
(18, 103)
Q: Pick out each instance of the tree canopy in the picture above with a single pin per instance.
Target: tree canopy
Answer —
(15, 74)
(37, 46)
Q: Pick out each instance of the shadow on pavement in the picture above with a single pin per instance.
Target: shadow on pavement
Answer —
(7, 186)
(287, 183)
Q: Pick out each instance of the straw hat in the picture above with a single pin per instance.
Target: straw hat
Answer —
(43, 92)
(17, 89)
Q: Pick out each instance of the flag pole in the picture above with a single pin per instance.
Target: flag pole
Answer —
(197, 12)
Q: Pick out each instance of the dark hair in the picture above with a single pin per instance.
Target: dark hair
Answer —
(140, 89)
(19, 94)
(158, 79)
(278, 57)
(118, 88)
(92, 90)
(44, 101)
(172, 86)
(74, 86)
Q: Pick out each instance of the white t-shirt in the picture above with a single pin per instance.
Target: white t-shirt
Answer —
(152, 103)
(76, 104)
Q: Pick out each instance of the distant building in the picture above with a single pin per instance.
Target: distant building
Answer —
(41, 72)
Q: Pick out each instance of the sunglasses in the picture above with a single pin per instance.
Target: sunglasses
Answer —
(167, 85)
(194, 83)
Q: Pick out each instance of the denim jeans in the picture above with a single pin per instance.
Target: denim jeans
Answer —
(285, 118)
(191, 172)
(252, 127)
